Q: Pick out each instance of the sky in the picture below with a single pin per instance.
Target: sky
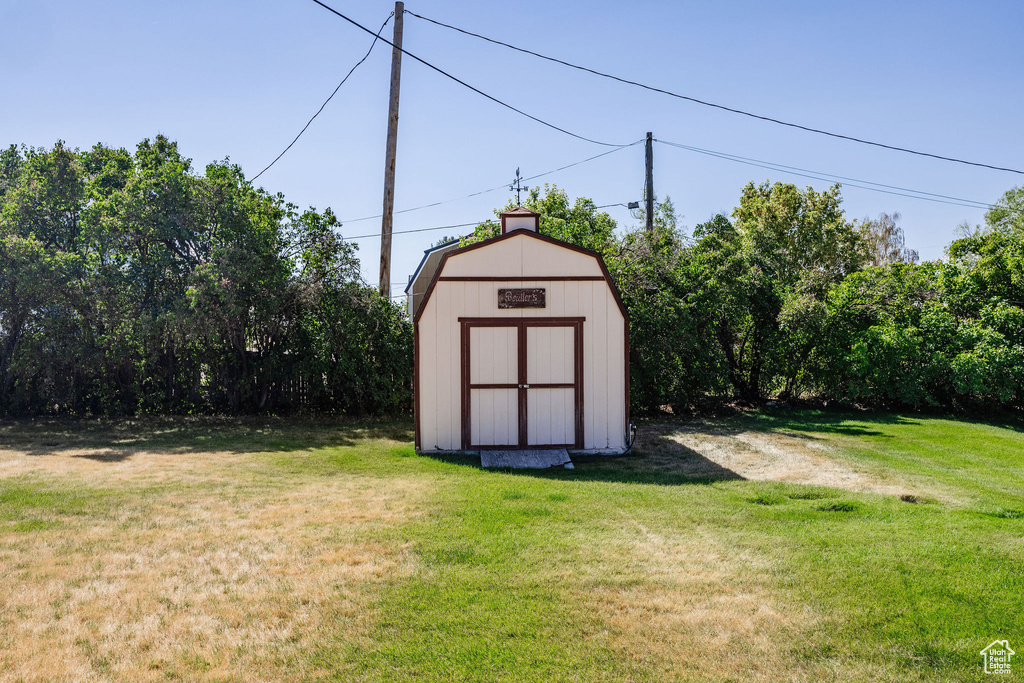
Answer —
(238, 80)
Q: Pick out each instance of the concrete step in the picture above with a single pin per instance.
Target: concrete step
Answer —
(532, 459)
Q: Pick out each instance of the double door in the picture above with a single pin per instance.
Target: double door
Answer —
(522, 383)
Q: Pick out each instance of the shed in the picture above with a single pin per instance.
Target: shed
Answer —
(521, 342)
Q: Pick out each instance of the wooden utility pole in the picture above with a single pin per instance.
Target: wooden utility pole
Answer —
(389, 158)
(649, 191)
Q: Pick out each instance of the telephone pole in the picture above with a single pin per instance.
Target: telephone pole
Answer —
(649, 189)
(389, 155)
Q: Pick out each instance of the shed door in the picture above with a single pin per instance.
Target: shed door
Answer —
(522, 383)
(550, 385)
(494, 386)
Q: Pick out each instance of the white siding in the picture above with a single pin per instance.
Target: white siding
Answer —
(520, 257)
(440, 402)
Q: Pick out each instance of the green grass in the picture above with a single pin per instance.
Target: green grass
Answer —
(611, 571)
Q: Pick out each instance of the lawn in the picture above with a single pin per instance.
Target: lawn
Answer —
(792, 546)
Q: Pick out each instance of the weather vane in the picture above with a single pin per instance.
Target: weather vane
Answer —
(518, 187)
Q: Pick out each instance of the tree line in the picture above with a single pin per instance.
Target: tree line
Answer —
(787, 298)
(130, 283)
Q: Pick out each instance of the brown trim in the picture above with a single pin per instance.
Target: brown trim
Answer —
(625, 329)
(521, 325)
(523, 395)
(612, 286)
(536, 446)
(579, 385)
(464, 345)
(521, 278)
(511, 235)
(533, 322)
(417, 442)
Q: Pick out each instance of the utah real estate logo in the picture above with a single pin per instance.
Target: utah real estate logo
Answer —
(997, 657)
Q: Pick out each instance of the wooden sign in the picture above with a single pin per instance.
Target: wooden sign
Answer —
(521, 298)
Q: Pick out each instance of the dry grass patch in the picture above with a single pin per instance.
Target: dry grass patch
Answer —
(704, 450)
(104, 466)
(688, 608)
(199, 581)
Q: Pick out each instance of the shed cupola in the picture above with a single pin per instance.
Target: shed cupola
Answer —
(520, 219)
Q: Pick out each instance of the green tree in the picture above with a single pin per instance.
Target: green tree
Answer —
(129, 283)
(772, 269)
(802, 235)
(908, 336)
(884, 241)
(578, 222)
(1007, 214)
(672, 305)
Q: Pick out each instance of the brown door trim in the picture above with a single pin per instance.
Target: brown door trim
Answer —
(521, 325)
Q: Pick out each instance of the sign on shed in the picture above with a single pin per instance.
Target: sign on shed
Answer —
(521, 298)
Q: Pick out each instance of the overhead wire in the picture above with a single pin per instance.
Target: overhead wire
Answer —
(706, 103)
(832, 175)
(499, 187)
(868, 185)
(404, 232)
(376, 37)
(467, 85)
(829, 177)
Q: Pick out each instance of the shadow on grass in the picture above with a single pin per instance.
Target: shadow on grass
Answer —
(661, 457)
(859, 423)
(798, 422)
(116, 440)
(671, 464)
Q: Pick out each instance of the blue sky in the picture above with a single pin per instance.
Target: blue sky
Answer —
(239, 79)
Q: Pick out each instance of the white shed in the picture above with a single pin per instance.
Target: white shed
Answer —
(521, 342)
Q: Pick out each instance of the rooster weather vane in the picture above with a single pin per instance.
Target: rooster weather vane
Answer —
(518, 187)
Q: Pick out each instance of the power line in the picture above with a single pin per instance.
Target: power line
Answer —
(376, 37)
(828, 177)
(712, 104)
(499, 187)
(983, 205)
(466, 85)
(825, 177)
(404, 232)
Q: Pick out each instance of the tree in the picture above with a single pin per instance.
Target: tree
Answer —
(130, 283)
(672, 305)
(801, 235)
(578, 223)
(905, 335)
(1007, 214)
(883, 239)
(773, 268)
(40, 268)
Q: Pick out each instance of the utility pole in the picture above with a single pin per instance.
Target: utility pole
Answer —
(649, 190)
(389, 157)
